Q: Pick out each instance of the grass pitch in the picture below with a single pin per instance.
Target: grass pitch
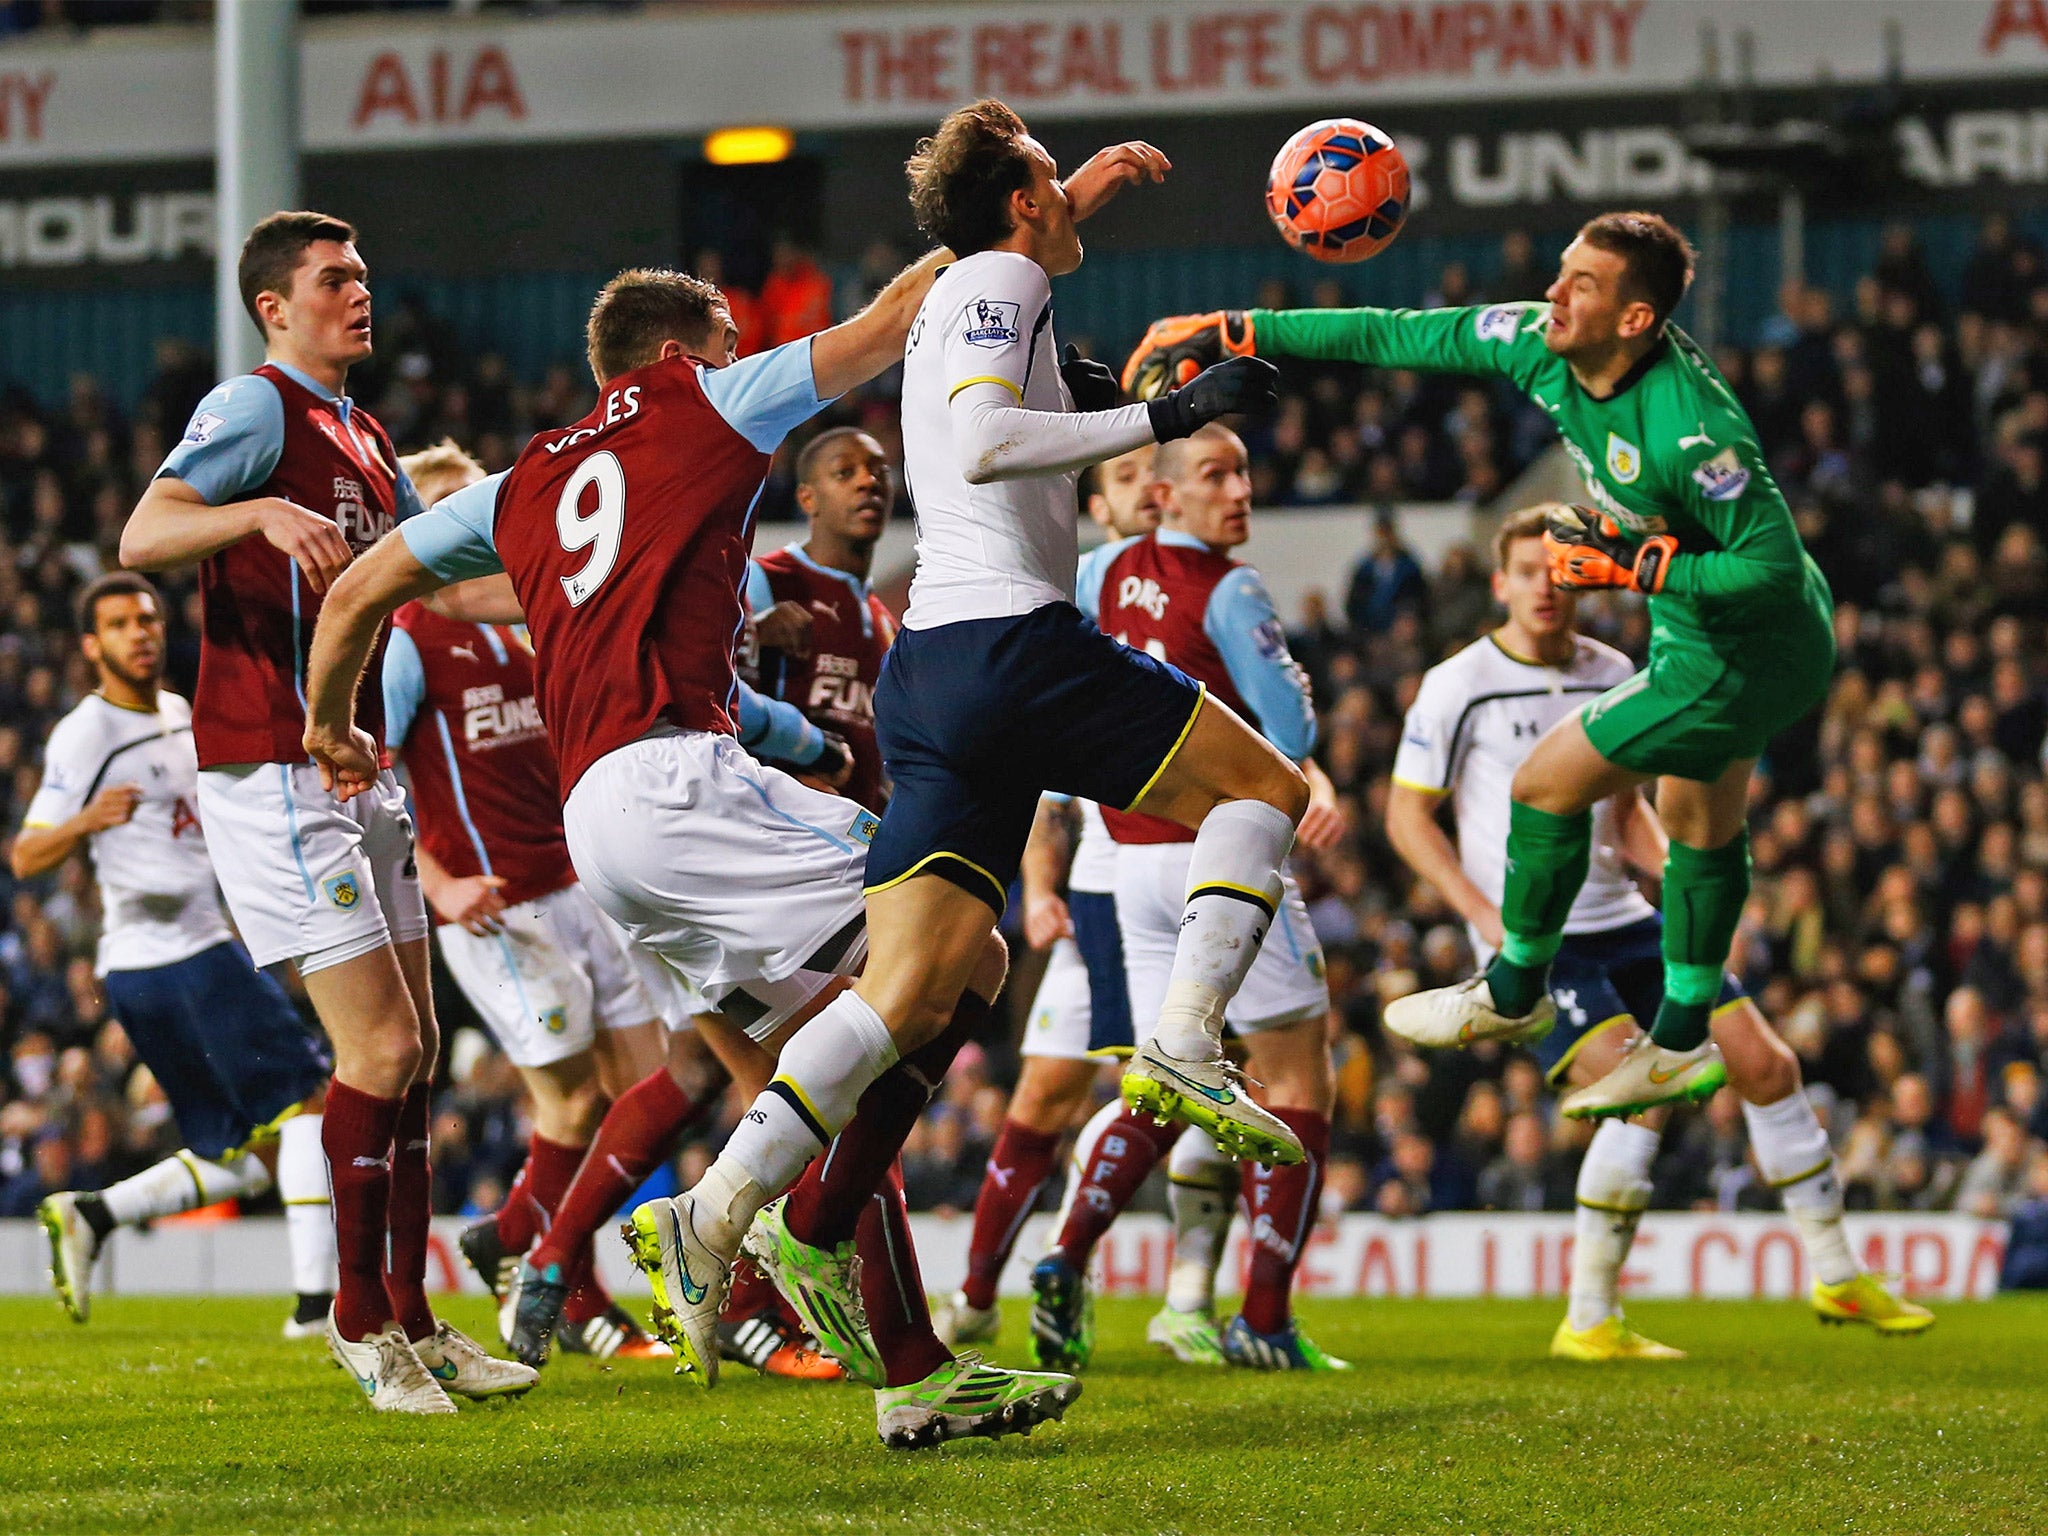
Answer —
(190, 1415)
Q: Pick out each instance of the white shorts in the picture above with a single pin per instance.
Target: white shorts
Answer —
(307, 878)
(675, 1001)
(745, 881)
(554, 975)
(1061, 1013)
(1286, 982)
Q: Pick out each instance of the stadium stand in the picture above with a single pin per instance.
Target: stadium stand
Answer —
(1898, 933)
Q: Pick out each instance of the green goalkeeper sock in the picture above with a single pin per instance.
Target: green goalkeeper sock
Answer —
(1547, 856)
(1704, 889)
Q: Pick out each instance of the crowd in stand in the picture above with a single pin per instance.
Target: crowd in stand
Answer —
(1898, 931)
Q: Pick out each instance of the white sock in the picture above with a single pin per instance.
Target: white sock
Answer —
(1793, 1152)
(1613, 1192)
(184, 1181)
(1233, 891)
(817, 1085)
(308, 1207)
(1201, 1192)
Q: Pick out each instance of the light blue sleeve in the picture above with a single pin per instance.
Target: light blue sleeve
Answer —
(232, 442)
(409, 503)
(405, 686)
(1247, 633)
(760, 598)
(1088, 576)
(774, 728)
(453, 539)
(762, 397)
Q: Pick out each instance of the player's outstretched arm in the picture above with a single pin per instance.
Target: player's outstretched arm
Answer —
(173, 525)
(855, 350)
(483, 600)
(368, 593)
(1500, 338)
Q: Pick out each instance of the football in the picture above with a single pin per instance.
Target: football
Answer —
(1338, 190)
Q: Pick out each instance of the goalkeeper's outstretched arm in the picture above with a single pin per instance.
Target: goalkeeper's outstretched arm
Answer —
(1476, 339)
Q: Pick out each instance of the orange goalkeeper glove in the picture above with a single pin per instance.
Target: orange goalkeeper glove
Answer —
(1586, 550)
(1177, 348)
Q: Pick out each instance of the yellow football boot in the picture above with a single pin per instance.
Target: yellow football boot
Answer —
(1609, 1339)
(1867, 1299)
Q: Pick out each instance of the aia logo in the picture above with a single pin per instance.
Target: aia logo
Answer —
(183, 818)
(1144, 593)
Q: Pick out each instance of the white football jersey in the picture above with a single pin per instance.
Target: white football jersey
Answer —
(1475, 719)
(156, 882)
(984, 551)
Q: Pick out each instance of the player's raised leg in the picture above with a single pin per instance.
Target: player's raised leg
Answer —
(1706, 882)
(1243, 798)
(639, 1130)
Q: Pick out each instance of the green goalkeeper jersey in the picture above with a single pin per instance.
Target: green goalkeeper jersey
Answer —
(1671, 451)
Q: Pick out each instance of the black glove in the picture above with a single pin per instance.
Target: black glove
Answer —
(1247, 386)
(1092, 385)
(834, 762)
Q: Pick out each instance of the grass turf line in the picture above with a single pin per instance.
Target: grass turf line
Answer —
(192, 1415)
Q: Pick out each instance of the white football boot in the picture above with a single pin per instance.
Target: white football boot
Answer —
(1210, 1094)
(957, 1322)
(461, 1365)
(1465, 1015)
(73, 1248)
(689, 1280)
(389, 1371)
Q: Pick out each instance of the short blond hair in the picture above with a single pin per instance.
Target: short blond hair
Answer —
(1527, 523)
(445, 468)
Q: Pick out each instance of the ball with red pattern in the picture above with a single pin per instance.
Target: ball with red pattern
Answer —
(1338, 190)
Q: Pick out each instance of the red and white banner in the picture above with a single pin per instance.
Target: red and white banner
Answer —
(393, 82)
(1676, 1256)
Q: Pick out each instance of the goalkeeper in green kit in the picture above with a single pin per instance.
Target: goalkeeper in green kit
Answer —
(1685, 512)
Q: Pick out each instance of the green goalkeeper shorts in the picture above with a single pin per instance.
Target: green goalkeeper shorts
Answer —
(1697, 708)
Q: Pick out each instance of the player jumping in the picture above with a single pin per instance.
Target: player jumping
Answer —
(1742, 640)
(1083, 1002)
(1475, 721)
(242, 1072)
(280, 481)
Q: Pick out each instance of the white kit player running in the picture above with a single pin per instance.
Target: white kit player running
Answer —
(625, 537)
(243, 1074)
(280, 481)
(1475, 719)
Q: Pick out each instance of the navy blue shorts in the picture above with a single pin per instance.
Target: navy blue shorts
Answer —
(225, 1042)
(1101, 943)
(1598, 979)
(977, 719)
